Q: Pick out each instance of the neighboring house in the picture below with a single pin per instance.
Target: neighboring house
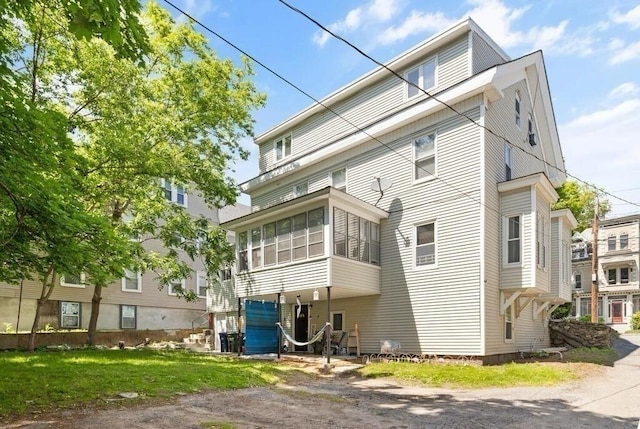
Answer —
(618, 263)
(419, 225)
(134, 302)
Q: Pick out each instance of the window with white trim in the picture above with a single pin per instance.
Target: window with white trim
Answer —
(243, 261)
(73, 280)
(174, 192)
(299, 236)
(316, 236)
(426, 244)
(507, 161)
(612, 276)
(424, 157)
(611, 242)
(128, 316)
(508, 324)
(284, 240)
(70, 313)
(618, 275)
(176, 286)
(375, 244)
(282, 147)
(132, 281)
(339, 179)
(269, 237)
(337, 320)
(202, 284)
(225, 274)
(256, 248)
(421, 77)
(624, 275)
(577, 280)
(517, 108)
(355, 237)
(513, 234)
(301, 189)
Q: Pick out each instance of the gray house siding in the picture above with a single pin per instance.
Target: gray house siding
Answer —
(484, 56)
(372, 104)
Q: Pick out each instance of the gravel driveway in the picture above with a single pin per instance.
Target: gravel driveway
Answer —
(610, 399)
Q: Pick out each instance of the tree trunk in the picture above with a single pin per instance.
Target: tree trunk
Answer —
(95, 312)
(36, 321)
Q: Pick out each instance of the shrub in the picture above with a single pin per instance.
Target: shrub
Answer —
(587, 318)
(563, 311)
(635, 321)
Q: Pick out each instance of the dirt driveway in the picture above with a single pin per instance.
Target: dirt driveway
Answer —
(609, 399)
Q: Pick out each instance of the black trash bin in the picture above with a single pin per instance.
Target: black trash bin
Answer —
(233, 342)
(224, 342)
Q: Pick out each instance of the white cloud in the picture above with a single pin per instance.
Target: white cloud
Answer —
(416, 22)
(496, 19)
(631, 18)
(625, 53)
(624, 91)
(615, 44)
(377, 11)
(601, 148)
(197, 8)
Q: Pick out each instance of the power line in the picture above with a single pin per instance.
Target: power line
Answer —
(361, 52)
(243, 52)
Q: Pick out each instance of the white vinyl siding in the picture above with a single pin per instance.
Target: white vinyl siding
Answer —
(424, 157)
(302, 275)
(421, 78)
(484, 56)
(370, 105)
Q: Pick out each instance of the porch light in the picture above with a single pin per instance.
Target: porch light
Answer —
(283, 299)
(316, 295)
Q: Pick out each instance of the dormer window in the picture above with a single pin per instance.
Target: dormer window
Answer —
(421, 77)
(283, 148)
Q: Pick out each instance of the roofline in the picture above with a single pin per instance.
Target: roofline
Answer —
(567, 215)
(325, 193)
(530, 180)
(412, 54)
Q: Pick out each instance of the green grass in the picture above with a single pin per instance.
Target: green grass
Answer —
(471, 376)
(604, 356)
(44, 381)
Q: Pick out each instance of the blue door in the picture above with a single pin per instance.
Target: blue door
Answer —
(261, 329)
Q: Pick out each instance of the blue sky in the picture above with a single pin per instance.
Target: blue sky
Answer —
(591, 49)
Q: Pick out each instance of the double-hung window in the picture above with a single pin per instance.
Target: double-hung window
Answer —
(508, 324)
(507, 161)
(72, 280)
(624, 241)
(243, 259)
(353, 235)
(612, 276)
(202, 284)
(176, 287)
(132, 281)
(299, 236)
(421, 77)
(284, 240)
(69, 315)
(611, 242)
(426, 244)
(256, 248)
(269, 237)
(174, 192)
(541, 249)
(283, 148)
(577, 280)
(339, 232)
(128, 317)
(424, 157)
(316, 225)
(514, 238)
(624, 275)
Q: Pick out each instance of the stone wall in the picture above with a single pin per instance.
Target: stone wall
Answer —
(110, 338)
(581, 334)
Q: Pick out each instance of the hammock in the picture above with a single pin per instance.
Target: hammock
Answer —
(315, 338)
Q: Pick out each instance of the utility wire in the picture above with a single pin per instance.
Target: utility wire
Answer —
(361, 52)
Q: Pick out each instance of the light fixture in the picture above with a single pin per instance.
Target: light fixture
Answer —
(283, 299)
(316, 295)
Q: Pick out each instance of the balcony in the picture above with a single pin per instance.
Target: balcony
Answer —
(300, 247)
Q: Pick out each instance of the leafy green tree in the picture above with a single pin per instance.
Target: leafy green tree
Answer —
(178, 118)
(580, 199)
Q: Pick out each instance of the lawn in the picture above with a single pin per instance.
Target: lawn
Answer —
(472, 376)
(67, 379)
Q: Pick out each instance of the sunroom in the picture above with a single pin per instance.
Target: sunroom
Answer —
(323, 243)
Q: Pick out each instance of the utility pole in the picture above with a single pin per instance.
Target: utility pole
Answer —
(594, 265)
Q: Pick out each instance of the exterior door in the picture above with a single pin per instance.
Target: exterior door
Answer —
(302, 326)
(616, 312)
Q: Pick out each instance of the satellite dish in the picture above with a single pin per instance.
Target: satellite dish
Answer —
(380, 184)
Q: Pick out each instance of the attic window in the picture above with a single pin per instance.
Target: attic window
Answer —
(531, 132)
(283, 147)
(421, 77)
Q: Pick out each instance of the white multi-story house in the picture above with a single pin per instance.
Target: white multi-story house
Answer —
(618, 263)
(134, 302)
(427, 226)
